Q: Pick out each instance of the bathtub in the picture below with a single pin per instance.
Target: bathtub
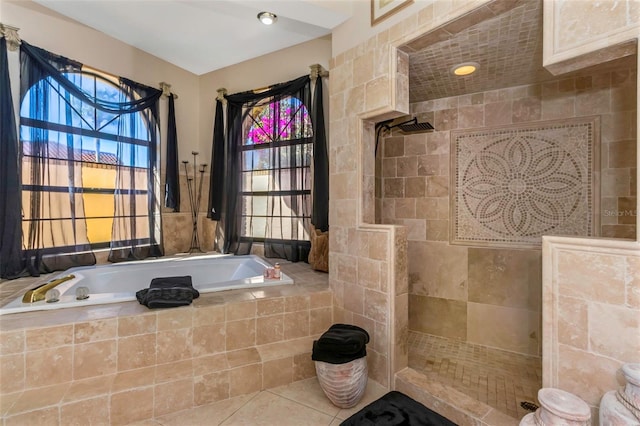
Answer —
(114, 283)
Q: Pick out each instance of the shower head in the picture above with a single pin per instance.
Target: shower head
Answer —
(413, 126)
(409, 126)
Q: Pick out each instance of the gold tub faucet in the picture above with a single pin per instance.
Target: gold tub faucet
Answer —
(36, 294)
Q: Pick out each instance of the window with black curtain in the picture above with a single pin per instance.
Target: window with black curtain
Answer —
(92, 144)
(276, 169)
(261, 182)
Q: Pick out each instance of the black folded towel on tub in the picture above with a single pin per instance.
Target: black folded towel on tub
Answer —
(168, 292)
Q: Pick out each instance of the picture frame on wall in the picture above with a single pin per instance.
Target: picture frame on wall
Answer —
(382, 9)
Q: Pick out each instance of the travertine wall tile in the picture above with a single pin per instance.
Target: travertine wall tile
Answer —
(577, 270)
(244, 380)
(173, 345)
(506, 277)
(12, 369)
(211, 387)
(49, 338)
(136, 351)
(573, 322)
(624, 342)
(585, 374)
(44, 416)
(12, 342)
(131, 406)
(438, 270)
(426, 313)
(173, 396)
(578, 23)
(501, 327)
(131, 379)
(139, 324)
(632, 280)
(94, 359)
(89, 411)
(175, 371)
(95, 330)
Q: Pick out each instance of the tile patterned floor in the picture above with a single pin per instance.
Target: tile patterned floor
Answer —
(498, 378)
(300, 403)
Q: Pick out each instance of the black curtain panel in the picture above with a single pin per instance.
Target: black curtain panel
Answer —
(266, 189)
(10, 202)
(320, 214)
(217, 192)
(172, 180)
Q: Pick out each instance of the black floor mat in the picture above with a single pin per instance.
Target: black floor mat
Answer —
(396, 409)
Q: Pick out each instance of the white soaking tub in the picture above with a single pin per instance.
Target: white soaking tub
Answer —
(119, 282)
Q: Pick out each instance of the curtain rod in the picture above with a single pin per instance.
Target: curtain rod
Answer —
(11, 34)
(316, 71)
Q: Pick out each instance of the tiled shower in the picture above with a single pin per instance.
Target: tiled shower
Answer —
(475, 309)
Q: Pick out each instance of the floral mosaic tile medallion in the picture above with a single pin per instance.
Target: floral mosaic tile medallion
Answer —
(511, 185)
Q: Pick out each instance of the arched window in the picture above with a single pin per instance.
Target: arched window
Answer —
(276, 178)
(73, 154)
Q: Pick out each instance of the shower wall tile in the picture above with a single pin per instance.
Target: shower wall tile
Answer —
(437, 230)
(407, 166)
(438, 270)
(437, 316)
(577, 270)
(627, 212)
(517, 330)
(593, 330)
(573, 322)
(405, 208)
(585, 374)
(497, 113)
(470, 116)
(622, 154)
(428, 165)
(503, 277)
(415, 144)
(632, 278)
(624, 343)
(616, 182)
(401, 333)
(525, 110)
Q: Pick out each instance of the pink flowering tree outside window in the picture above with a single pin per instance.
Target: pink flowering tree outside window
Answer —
(281, 120)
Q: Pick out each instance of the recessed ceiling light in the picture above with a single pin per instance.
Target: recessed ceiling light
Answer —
(465, 68)
(267, 18)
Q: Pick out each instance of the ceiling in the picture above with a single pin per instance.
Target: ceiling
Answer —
(203, 35)
(508, 47)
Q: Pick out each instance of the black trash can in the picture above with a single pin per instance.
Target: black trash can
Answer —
(340, 356)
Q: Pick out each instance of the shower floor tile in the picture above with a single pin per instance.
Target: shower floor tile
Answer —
(497, 378)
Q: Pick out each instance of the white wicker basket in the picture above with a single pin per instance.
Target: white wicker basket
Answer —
(343, 384)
